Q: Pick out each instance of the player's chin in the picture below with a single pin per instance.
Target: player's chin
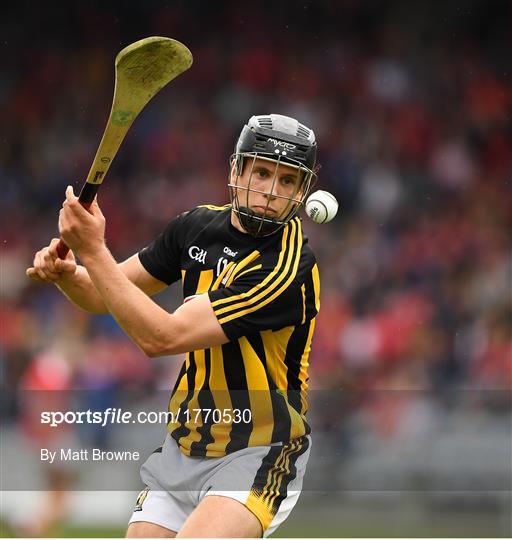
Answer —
(262, 211)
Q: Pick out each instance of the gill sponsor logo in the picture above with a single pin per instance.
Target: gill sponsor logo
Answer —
(282, 144)
(197, 254)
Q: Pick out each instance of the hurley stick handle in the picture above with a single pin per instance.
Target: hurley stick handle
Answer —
(85, 198)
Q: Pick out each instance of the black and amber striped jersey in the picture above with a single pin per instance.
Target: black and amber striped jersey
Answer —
(265, 295)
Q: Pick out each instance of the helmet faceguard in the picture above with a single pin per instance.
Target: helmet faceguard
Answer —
(282, 141)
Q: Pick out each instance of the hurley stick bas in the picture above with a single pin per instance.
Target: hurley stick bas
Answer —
(142, 69)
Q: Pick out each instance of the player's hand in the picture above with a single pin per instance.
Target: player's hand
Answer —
(82, 230)
(48, 267)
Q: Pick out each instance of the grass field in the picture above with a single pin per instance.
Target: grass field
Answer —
(327, 517)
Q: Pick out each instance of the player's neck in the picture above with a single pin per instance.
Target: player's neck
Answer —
(236, 223)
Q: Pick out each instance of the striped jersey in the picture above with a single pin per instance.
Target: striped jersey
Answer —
(265, 294)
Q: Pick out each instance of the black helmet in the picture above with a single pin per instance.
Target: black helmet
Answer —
(279, 139)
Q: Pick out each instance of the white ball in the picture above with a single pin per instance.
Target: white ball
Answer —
(321, 206)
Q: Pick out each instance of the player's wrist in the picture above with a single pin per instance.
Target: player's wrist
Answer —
(94, 254)
(67, 277)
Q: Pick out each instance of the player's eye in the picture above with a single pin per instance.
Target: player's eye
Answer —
(262, 173)
(288, 181)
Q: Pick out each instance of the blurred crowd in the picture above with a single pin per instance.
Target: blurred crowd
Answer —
(411, 104)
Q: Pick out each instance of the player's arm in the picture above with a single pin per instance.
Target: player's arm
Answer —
(154, 330)
(193, 326)
(74, 281)
(157, 332)
(82, 292)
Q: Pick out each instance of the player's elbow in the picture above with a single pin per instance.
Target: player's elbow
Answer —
(161, 343)
(178, 334)
(152, 352)
(154, 349)
(165, 348)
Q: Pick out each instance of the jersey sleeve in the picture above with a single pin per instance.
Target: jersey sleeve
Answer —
(162, 257)
(267, 299)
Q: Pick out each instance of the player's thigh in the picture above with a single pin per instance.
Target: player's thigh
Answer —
(144, 529)
(221, 517)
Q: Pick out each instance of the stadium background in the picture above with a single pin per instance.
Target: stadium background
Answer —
(411, 104)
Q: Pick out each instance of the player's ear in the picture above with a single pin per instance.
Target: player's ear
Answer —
(299, 189)
(235, 170)
(303, 185)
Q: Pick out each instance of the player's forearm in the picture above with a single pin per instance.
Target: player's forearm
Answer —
(80, 290)
(146, 323)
